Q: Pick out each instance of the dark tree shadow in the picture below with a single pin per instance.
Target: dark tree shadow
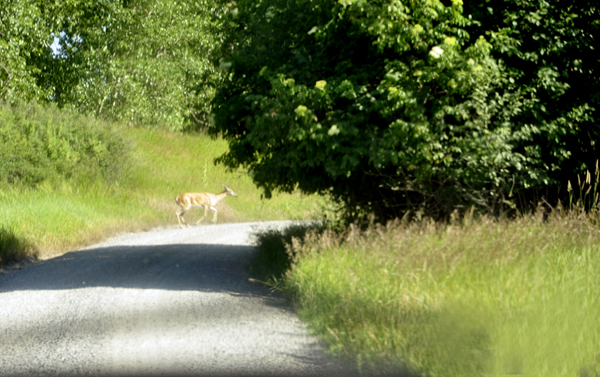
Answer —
(199, 267)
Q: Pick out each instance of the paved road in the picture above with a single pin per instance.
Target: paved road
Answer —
(165, 302)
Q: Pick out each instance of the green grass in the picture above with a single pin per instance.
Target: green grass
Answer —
(56, 217)
(481, 298)
(59, 219)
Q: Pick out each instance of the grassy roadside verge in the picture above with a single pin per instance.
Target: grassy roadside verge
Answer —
(467, 299)
(56, 220)
(56, 217)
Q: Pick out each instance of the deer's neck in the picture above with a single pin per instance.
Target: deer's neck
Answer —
(220, 196)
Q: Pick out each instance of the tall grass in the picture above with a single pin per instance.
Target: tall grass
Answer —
(56, 219)
(470, 298)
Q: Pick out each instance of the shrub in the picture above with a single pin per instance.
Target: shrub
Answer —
(41, 143)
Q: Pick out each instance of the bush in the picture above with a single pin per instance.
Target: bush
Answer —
(41, 143)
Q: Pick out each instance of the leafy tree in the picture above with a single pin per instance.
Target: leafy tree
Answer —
(85, 29)
(139, 61)
(550, 52)
(386, 106)
(22, 40)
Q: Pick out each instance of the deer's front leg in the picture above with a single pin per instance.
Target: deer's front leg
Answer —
(180, 218)
(214, 220)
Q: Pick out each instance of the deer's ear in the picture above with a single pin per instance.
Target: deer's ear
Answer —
(225, 187)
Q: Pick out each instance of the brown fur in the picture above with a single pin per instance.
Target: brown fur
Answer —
(202, 199)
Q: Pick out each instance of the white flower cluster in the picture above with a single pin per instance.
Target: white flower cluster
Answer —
(436, 52)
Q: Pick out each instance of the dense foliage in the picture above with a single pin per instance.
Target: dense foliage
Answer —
(395, 106)
(550, 52)
(23, 41)
(142, 62)
(43, 144)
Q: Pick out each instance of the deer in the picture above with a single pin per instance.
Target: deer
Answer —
(202, 199)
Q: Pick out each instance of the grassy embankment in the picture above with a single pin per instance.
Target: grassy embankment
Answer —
(471, 298)
(51, 217)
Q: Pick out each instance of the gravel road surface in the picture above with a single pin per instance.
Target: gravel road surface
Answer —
(164, 302)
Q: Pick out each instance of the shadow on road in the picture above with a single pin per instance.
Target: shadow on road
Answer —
(200, 267)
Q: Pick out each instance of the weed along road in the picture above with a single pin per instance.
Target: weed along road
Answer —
(164, 302)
